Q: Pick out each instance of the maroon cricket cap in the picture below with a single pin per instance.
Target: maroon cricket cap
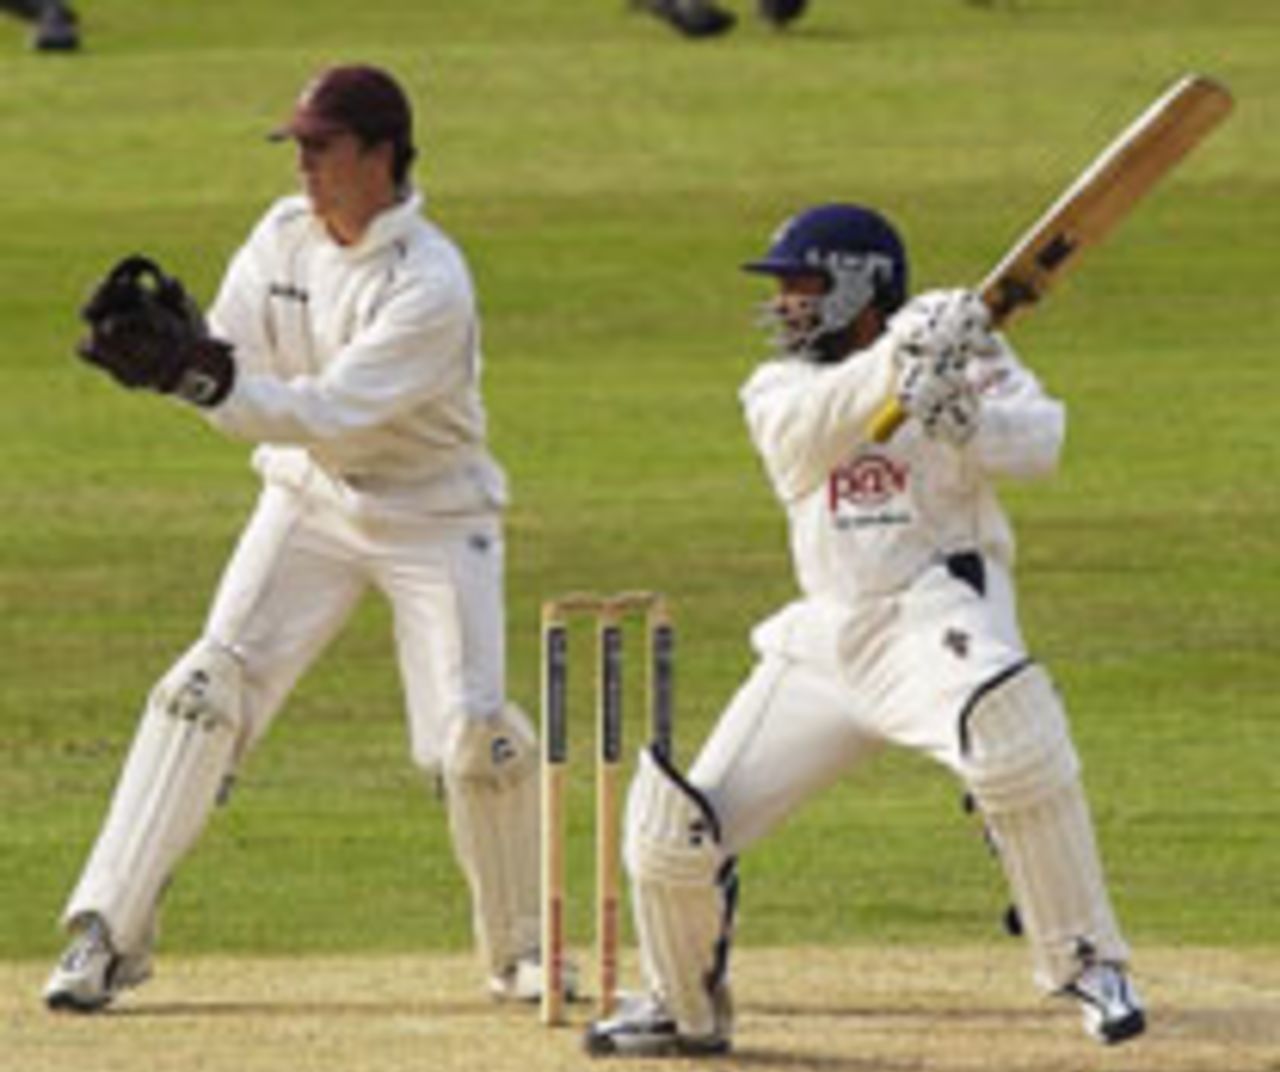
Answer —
(358, 98)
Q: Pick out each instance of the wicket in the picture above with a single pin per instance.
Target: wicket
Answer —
(609, 613)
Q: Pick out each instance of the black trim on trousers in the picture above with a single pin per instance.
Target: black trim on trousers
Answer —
(988, 686)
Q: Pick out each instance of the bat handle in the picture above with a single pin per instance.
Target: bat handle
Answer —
(887, 421)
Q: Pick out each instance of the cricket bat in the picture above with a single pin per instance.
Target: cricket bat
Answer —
(1093, 205)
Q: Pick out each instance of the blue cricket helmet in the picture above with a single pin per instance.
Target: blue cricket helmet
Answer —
(863, 262)
(827, 238)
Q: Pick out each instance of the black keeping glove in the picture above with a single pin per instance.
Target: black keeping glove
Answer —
(146, 332)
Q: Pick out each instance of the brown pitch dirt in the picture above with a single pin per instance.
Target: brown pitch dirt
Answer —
(829, 1010)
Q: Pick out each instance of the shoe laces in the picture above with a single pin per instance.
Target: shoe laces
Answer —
(93, 941)
(1103, 985)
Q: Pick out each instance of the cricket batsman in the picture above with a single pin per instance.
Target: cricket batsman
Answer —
(904, 632)
(345, 344)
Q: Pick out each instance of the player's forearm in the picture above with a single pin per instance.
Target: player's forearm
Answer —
(301, 411)
(384, 374)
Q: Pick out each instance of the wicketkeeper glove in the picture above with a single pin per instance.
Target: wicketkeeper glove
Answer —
(146, 332)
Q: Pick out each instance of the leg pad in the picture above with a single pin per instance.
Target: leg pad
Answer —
(490, 775)
(1024, 773)
(684, 890)
(180, 760)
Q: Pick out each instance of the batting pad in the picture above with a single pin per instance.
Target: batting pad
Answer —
(1024, 773)
(490, 773)
(683, 894)
(181, 755)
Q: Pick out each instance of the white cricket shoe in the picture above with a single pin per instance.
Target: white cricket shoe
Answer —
(91, 973)
(524, 981)
(1109, 1003)
(642, 1027)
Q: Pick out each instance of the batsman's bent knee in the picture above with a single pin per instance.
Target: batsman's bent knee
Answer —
(1015, 743)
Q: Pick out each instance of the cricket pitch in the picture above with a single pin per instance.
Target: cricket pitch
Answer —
(902, 1009)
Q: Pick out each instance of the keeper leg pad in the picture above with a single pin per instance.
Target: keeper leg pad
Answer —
(684, 890)
(490, 776)
(1025, 775)
(181, 756)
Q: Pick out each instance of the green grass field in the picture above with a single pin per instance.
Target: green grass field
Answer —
(606, 179)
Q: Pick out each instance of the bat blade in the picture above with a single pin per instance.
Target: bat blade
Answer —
(1103, 195)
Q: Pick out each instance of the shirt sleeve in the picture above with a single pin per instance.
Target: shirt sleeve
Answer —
(805, 418)
(418, 345)
(1022, 430)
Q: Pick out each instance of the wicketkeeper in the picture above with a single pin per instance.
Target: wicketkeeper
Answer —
(344, 342)
(904, 633)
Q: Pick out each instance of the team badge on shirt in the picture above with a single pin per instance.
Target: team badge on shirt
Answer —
(958, 642)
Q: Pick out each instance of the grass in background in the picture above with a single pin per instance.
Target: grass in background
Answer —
(606, 178)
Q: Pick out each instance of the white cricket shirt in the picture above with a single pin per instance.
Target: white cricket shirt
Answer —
(359, 365)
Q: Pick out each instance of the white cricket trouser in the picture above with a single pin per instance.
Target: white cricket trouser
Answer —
(923, 670)
(908, 666)
(302, 564)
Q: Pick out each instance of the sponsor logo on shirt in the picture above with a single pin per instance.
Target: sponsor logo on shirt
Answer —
(866, 490)
(288, 292)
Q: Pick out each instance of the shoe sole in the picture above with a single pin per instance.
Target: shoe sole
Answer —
(674, 1046)
(1121, 1030)
(121, 974)
(65, 1001)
